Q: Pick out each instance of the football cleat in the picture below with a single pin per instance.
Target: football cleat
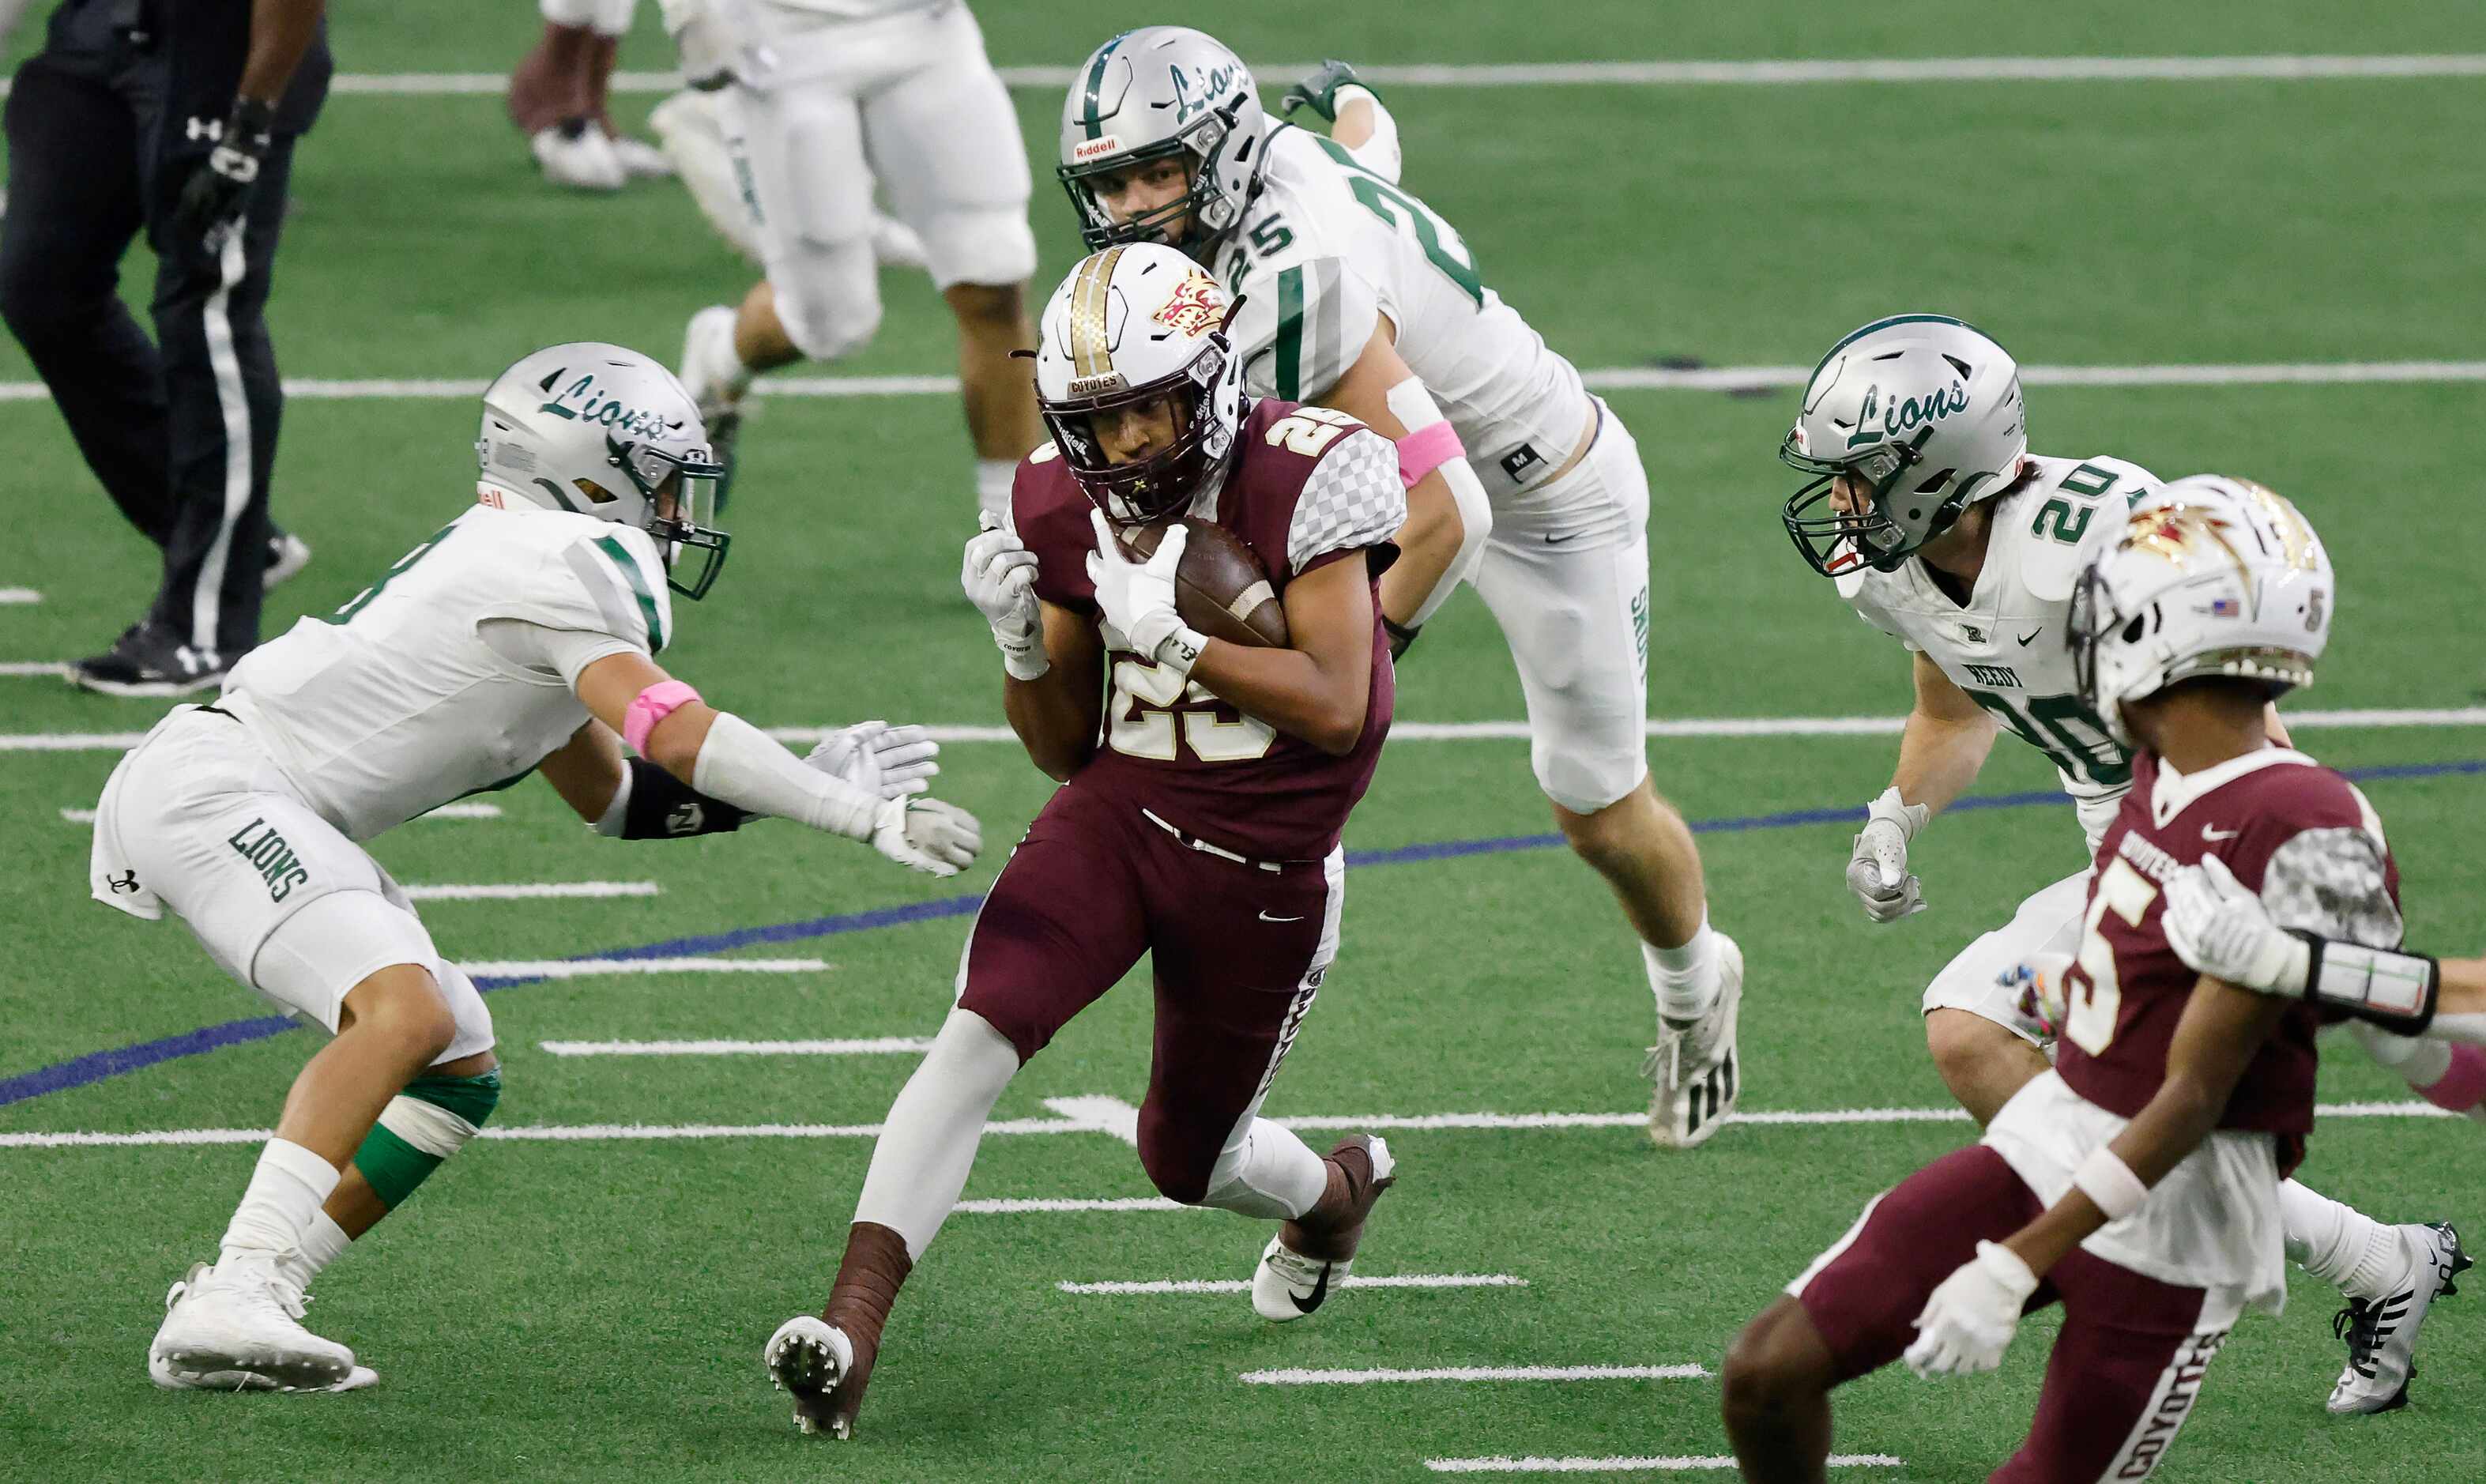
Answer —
(1693, 1070)
(577, 155)
(287, 555)
(148, 660)
(2382, 1334)
(1302, 1263)
(242, 1317)
(639, 159)
(812, 1359)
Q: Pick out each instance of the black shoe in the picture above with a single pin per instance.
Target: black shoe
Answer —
(147, 660)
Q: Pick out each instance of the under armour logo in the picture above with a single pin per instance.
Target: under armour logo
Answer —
(195, 128)
(127, 880)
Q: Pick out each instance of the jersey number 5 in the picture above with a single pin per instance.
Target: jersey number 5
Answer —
(2092, 988)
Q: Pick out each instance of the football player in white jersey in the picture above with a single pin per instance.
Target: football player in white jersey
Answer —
(807, 90)
(1942, 531)
(518, 638)
(1357, 295)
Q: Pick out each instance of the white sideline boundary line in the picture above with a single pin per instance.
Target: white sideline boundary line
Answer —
(1200, 1286)
(590, 967)
(1673, 1464)
(887, 1045)
(531, 890)
(1675, 728)
(1758, 72)
(1611, 379)
(592, 1132)
(1298, 1376)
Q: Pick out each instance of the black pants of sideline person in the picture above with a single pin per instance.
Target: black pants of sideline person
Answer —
(180, 429)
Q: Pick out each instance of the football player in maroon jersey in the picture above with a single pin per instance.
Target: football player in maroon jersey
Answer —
(2137, 1182)
(1205, 785)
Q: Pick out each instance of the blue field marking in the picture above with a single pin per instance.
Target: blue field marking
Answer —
(96, 1066)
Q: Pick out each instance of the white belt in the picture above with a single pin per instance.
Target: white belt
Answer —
(1205, 848)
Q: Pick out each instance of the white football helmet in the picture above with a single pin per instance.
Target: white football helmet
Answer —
(1164, 91)
(601, 430)
(2211, 576)
(1926, 410)
(1135, 324)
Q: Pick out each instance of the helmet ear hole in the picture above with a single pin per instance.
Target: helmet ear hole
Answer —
(1936, 483)
(2133, 631)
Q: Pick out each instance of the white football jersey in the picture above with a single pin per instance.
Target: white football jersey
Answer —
(395, 704)
(1328, 245)
(2009, 648)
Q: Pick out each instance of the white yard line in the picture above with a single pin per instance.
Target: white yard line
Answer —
(1679, 1463)
(1763, 73)
(1104, 1115)
(464, 811)
(1358, 1378)
(589, 968)
(1615, 378)
(532, 891)
(590, 1133)
(17, 596)
(1417, 732)
(78, 816)
(1198, 1285)
(887, 1045)
(30, 669)
(1029, 1206)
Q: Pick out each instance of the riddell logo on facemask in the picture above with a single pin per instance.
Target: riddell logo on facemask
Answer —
(1197, 306)
(1095, 148)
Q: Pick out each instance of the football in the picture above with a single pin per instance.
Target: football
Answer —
(1221, 589)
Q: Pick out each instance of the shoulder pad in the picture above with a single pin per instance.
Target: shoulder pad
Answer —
(616, 584)
(2063, 522)
(1301, 328)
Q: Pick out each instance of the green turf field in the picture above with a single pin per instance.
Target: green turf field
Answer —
(591, 1308)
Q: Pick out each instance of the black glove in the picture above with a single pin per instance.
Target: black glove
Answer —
(218, 190)
(1318, 92)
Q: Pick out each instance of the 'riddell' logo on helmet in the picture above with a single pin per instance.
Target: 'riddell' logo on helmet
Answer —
(1097, 149)
(1905, 413)
(1197, 306)
(582, 400)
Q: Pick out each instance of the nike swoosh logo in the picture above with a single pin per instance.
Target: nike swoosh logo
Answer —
(2031, 635)
(1265, 918)
(1321, 1291)
(2209, 834)
(1557, 541)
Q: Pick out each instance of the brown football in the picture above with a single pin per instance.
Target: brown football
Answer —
(1221, 589)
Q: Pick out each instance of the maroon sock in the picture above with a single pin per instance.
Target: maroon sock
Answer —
(875, 1268)
(551, 82)
(601, 55)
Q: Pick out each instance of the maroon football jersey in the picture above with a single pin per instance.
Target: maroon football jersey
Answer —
(1306, 490)
(2292, 830)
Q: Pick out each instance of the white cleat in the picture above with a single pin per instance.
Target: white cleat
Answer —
(809, 1357)
(243, 1319)
(578, 155)
(286, 556)
(713, 374)
(2382, 1335)
(1287, 1285)
(1693, 1070)
(639, 159)
(1294, 1278)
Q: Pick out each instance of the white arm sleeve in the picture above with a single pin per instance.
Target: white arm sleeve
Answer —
(1379, 154)
(1415, 409)
(748, 769)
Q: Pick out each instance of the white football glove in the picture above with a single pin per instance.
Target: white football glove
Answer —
(1877, 869)
(878, 758)
(1138, 596)
(2221, 929)
(999, 576)
(926, 834)
(1970, 1320)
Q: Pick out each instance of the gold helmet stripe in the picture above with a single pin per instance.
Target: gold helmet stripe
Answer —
(1091, 353)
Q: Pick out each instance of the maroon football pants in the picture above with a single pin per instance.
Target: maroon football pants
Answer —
(2125, 1368)
(1239, 951)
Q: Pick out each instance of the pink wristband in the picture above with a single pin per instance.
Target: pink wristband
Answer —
(1425, 450)
(650, 706)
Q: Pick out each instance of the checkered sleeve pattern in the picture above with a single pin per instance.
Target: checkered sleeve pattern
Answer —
(1352, 498)
(2334, 883)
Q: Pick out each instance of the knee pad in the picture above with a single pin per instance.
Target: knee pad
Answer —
(424, 1124)
(828, 297)
(978, 246)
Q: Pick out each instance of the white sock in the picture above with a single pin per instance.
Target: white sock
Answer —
(322, 1242)
(285, 1192)
(2339, 1244)
(1265, 1171)
(928, 1143)
(993, 476)
(613, 16)
(2468, 1030)
(2422, 1062)
(1685, 978)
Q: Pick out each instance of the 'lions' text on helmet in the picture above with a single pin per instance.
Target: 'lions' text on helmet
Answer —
(1163, 93)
